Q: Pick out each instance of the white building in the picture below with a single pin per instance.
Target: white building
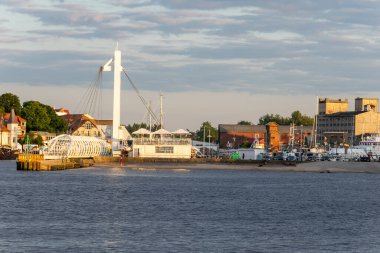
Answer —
(162, 144)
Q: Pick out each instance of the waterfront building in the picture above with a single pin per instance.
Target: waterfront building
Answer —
(272, 136)
(162, 144)
(4, 135)
(62, 111)
(21, 124)
(336, 126)
(12, 125)
(330, 106)
(106, 127)
(46, 136)
(82, 125)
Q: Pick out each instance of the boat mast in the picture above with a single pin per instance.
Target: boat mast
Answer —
(161, 113)
(150, 116)
(315, 130)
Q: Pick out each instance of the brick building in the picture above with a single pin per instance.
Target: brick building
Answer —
(273, 136)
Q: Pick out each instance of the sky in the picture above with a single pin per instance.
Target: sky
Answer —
(221, 61)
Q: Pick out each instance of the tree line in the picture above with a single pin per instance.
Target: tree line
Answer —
(296, 118)
(38, 116)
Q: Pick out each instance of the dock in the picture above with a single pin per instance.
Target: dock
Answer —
(35, 162)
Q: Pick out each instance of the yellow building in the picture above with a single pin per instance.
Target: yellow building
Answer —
(330, 106)
(82, 125)
(337, 126)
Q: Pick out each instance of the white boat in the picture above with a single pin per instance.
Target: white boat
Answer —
(371, 145)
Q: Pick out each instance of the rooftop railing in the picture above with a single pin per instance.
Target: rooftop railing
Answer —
(164, 141)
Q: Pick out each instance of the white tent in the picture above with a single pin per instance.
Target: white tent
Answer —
(181, 132)
(142, 131)
(162, 132)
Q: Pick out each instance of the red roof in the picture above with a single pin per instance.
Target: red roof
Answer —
(19, 119)
(4, 129)
(62, 110)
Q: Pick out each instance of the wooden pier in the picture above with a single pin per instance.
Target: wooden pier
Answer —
(37, 163)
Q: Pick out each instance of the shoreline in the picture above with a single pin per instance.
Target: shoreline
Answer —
(315, 167)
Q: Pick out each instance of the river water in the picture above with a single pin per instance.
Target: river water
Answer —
(122, 210)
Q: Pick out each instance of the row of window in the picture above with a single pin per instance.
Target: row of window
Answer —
(335, 119)
(335, 124)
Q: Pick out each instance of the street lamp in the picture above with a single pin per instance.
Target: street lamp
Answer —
(209, 146)
(204, 139)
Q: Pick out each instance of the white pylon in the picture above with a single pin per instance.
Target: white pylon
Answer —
(117, 69)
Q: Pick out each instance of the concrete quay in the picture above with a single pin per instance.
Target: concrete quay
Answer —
(38, 164)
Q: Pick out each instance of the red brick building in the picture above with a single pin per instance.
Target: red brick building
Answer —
(272, 136)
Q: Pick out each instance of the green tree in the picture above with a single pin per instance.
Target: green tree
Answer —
(32, 139)
(245, 144)
(38, 140)
(40, 117)
(57, 124)
(263, 120)
(137, 126)
(36, 116)
(204, 131)
(9, 101)
(299, 119)
(296, 117)
(245, 123)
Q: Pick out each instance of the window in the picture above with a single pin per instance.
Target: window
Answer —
(87, 125)
(164, 149)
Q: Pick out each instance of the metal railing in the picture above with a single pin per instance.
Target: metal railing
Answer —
(147, 141)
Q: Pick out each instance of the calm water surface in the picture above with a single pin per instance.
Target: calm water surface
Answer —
(121, 210)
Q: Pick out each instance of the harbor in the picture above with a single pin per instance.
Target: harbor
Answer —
(189, 126)
(290, 143)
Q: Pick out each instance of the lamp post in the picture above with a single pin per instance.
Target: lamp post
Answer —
(209, 145)
(204, 138)
(301, 146)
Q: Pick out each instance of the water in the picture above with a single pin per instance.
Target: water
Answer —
(120, 210)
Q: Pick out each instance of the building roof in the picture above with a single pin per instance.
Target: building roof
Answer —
(62, 110)
(4, 129)
(342, 114)
(77, 120)
(104, 122)
(18, 118)
(223, 128)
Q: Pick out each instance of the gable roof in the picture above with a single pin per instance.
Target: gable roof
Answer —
(18, 118)
(77, 120)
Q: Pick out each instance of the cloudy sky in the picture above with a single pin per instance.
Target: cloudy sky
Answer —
(221, 60)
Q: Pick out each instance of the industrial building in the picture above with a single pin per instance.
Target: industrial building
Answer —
(337, 126)
(272, 136)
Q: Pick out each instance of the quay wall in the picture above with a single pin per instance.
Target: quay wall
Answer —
(49, 165)
(203, 161)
